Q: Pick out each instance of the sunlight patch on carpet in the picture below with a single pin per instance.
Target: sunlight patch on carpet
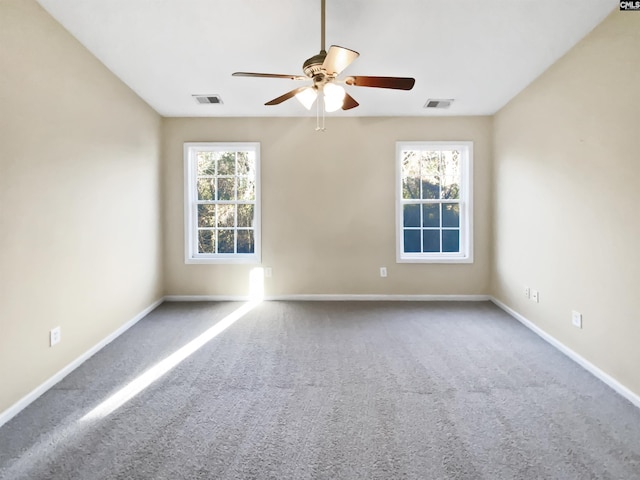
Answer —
(133, 388)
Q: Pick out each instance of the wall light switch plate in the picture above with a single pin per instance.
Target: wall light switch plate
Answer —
(268, 272)
(535, 296)
(383, 271)
(576, 319)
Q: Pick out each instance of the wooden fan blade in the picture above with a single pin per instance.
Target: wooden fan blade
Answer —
(269, 75)
(338, 58)
(286, 96)
(397, 83)
(349, 102)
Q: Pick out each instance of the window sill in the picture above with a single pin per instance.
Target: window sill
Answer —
(434, 259)
(220, 260)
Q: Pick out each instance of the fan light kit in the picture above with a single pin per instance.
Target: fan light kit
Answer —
(323, 69)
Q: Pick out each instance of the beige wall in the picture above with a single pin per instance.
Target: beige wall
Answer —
(567, 193)
(328, 211)
(79, 200)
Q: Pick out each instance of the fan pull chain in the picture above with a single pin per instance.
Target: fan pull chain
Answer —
(320, 113)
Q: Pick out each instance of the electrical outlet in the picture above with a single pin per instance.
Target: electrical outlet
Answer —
(527, 292)
(383, 271)
(55, 336)
(268, 272)
(535, 296)
(576, 319)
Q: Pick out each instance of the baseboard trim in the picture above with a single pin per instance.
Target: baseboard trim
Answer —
(332, 298)
(206, 298)
(380, 298)
(25, 401)
(590, 367)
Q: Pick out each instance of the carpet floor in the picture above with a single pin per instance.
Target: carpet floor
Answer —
(326, 390)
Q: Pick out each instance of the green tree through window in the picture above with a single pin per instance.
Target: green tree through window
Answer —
(222, 202)
(433, 201)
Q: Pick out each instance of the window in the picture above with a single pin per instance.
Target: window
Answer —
(433, 202)
(222, 202)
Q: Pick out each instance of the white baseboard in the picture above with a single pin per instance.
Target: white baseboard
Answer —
(21, 404)
(206, 298)
(332, 298)
(380, 298)
(590, 367)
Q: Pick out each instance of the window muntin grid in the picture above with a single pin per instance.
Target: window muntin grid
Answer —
(433, 201)
(223, 205)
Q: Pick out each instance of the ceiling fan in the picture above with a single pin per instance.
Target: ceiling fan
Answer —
(323, 69)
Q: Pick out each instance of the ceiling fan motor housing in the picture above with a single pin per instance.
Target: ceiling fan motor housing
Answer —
(312, 67)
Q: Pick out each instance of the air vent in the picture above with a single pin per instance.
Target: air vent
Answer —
(438, 103)
(208, 99)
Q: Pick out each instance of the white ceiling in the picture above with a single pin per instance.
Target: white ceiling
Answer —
(479, 52)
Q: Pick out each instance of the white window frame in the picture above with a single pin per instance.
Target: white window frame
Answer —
(466, 204)
(191, 203)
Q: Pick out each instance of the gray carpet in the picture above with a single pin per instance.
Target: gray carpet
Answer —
(330, 390)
